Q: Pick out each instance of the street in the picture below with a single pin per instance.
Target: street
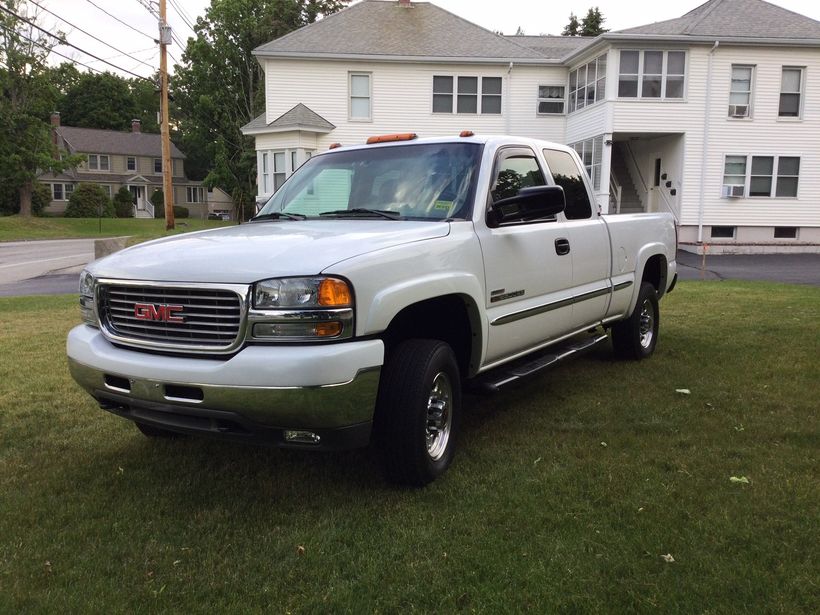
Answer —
(24, 265)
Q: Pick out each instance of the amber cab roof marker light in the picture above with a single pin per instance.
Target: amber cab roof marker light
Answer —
(399, 136)
(466, 133)
(334, 145)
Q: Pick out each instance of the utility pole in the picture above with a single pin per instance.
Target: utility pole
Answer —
(167, 166)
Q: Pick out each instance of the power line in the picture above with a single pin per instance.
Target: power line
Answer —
(51, 50)
(146, 4)
(87, 33)
(148, 36)
(64, 41)
(182, 15)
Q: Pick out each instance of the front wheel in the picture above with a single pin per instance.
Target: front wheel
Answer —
(637, 336)
(418, 411)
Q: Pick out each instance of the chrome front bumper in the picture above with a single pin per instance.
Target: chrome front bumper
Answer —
(261, 390)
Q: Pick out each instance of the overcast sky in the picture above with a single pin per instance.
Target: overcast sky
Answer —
(533, 16)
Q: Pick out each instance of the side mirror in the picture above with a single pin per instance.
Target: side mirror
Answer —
(529, 204)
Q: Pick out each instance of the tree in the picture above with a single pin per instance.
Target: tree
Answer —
(593, 23)
(571, 29)
(26, 100)
(99, 101)
(218, 88)
(124, 203)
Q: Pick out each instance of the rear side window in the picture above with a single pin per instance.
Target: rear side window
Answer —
(565, 173)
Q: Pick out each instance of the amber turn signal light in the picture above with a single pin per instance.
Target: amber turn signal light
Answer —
(334, 293)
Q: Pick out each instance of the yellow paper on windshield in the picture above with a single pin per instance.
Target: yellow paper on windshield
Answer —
(443, 205)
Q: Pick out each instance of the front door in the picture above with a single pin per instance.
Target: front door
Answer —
(137, 197)
(655, 188)
(527, 271)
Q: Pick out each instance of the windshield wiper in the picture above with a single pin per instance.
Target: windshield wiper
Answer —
(363, 211)
(278, 215)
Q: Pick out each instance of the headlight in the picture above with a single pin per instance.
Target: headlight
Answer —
(88, 310)
(298, 309)
(299, 293)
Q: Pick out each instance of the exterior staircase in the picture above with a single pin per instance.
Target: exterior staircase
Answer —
(630, 201)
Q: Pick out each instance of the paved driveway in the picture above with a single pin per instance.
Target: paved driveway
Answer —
(786, 268)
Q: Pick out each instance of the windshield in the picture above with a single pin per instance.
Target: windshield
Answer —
(428, 181)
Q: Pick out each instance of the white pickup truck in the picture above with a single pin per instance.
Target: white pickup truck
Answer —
(374, 284)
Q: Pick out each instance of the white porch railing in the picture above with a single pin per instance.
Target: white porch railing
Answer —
(614, 193)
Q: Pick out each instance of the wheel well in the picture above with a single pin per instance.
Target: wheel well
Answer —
(654, 272)
(451, 318)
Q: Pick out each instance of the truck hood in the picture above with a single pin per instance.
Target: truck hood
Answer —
(251, 252)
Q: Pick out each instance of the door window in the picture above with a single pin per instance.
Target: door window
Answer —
(515, 171)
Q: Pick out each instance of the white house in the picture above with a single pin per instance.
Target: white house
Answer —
(713, 116)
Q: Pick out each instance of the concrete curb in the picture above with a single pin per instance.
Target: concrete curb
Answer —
(104, 247)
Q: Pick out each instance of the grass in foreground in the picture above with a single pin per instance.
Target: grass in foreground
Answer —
(15, 228)
(564, 496)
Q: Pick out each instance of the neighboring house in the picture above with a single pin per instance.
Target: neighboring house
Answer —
(115, 159)
(713, 116)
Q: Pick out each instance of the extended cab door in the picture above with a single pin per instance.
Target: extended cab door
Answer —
(528, 273)
(588, 237)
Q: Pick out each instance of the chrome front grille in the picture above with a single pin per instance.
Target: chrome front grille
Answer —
(178, 317)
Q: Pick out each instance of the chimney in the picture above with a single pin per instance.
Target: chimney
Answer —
(136, 126)
(405, 4)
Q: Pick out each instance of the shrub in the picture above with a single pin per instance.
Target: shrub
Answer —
(181, 212)
(89, 201)
(124, 203)
(40, 198)
(158, 201)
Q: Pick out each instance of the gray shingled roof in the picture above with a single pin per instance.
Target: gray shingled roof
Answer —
(736, 19)
(96, 141)
(553, 47)
(377, 28)
(299, 117)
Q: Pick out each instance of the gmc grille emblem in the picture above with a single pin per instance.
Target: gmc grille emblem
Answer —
(163, 313)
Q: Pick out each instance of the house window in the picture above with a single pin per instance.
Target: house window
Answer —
(785, 232)
(360, 96)
(157, 165)
(791, 89)
(591, 153)
(106, 188)
(652, 74)
(194, 194)
(740, 91)
(131, 163)
(57, 192)
(587, 84)
(279, 171)
(550, 99)
(468, 91)
(265, 173)
(761, 176)
(98, 162)
(723, 232)
(293, 161)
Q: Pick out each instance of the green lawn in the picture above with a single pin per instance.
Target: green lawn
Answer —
(566, 491)
(15, 228)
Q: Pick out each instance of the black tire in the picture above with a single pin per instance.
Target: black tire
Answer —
(157, 432)
(636, 336)
(418, 411)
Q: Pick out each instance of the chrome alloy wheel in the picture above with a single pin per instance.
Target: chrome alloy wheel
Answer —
(647, 323)
(439, 416)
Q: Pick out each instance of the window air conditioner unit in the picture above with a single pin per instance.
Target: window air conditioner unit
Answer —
(739, 110)
(734, 192)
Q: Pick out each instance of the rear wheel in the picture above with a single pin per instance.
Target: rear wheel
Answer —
(418, 411)
(637, 336)
(156, 432)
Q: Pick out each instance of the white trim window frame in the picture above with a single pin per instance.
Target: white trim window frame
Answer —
(551, 97)
(591, 153)
(265, 173)
(107, 188)
(741, 89)
(68, 190)
(763, 176)
(467, 94)
(194, 194)
(157, 167)
(360, 96)
(95, 162)
(660, 76)
(128, 161)
(789, 91)
(587, 84)
(57, 192)
(279, 169)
